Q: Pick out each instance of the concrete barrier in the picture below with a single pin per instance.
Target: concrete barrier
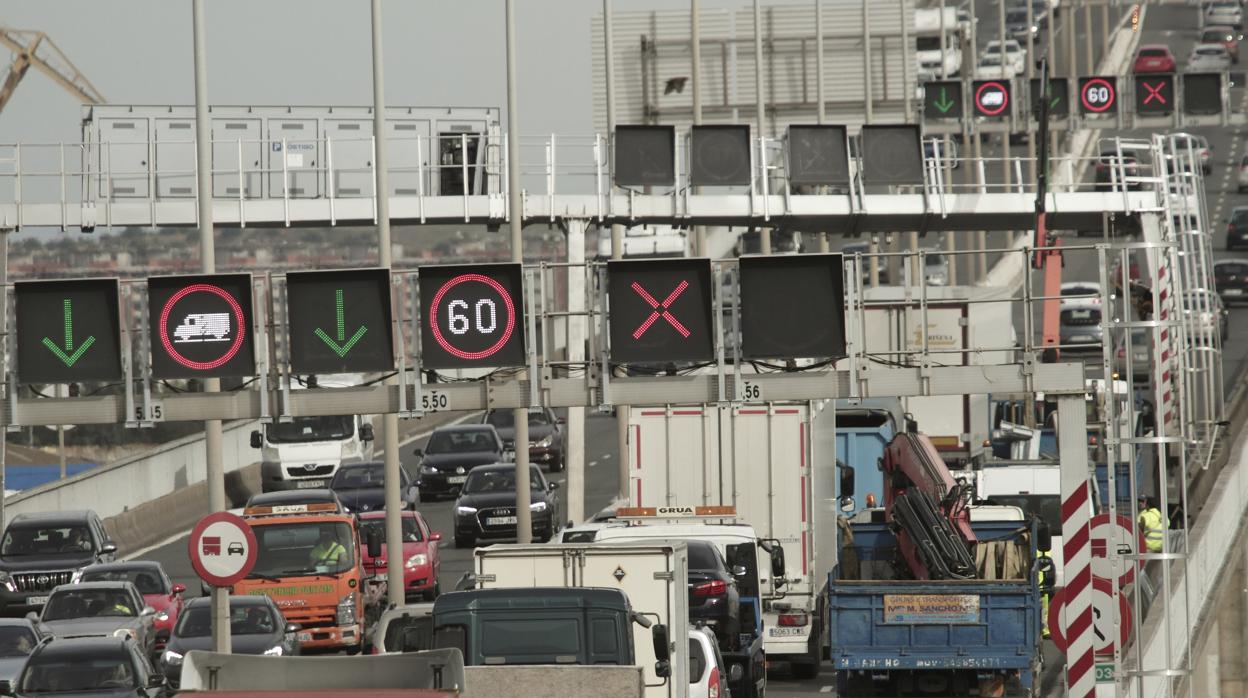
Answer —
(571, 681)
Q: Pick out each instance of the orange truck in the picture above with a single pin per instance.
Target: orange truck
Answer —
(309, 561)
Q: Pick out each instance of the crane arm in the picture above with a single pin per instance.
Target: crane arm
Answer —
(35, 48)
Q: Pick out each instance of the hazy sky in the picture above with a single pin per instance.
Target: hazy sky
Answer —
(313, 52)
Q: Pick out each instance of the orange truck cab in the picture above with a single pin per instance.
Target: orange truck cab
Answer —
(309, 561)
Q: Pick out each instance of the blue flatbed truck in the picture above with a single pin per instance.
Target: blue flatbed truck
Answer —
(864, 426)
(918, 637)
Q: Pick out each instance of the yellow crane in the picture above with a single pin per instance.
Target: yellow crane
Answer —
(35, 48)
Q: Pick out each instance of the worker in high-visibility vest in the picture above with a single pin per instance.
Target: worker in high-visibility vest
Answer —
(1045, 567)
(1153, 523)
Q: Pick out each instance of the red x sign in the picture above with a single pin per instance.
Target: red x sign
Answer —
(1154, 92)
(660, 309)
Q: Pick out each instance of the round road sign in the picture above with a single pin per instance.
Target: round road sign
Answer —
(478, 317)
(992, 98)
(1098, 95)
(222, 549)
(1102, 618)
(193, 326)
(1126, 540)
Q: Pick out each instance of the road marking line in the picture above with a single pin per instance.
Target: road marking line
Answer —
(825, 689)
(592, 463)
(606, 456)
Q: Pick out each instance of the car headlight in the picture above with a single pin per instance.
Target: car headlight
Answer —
(274, 651)
(465, 511)
(171, 658)
(546, 442)
(346, 610)
(123, 632)
(417, 560)
(162, 616)
(538, 506)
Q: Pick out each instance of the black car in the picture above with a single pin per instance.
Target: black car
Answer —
(713, 595)
(486, 507)
(450, 453)
(362, 486)
(545, 434)
(98, 667)
(1230, 277)
(18, 638)
(41, 551)
(1237, 228)
(256, 627)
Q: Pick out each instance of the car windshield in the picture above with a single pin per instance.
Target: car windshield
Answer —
(196, 621)
(146, 581)
(17, 640)
(1016, 17)
(1212, 35)
(45, 540)
(1153, 52)
(306, 429)
(505, 419)
(359, 476)
(89, 603)
(703, 557)
(927, 43)
(480, 481)
(292, 549)
(465, 441)
(411, 530)
(1200, 301)
(1230, 269)
(934, 259)
(75, 673)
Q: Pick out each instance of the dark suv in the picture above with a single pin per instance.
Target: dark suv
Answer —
(1237, 228)
(545, 434)
(98, 666)
(451, 453)
(42, 551)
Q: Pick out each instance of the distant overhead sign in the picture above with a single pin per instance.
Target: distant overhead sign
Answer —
(339, 321)
(942, 100)
(1058, 96)
(719, 155)
(1098, 95)
(792, 306)
(472, 315)
(67, 331)
(1202, 93)
(818, 155)
(1154, 95)
(200, 326)
(645, 156)
(660, 310)
(991, 98)
(892, 154)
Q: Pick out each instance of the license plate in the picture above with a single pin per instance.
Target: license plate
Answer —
(309, 484)
(456, 479)
(304, 637)
(36, 600)
(784, 632)
(500, 520)
(1234, 291)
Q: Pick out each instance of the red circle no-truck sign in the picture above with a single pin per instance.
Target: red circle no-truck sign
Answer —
(236, 313)
(992, 98)
(222, 549)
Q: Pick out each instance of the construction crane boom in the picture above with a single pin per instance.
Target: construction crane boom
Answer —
(35, 48)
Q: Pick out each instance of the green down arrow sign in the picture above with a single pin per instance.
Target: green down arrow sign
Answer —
(69, 355)
(340, 348)
(944, 104)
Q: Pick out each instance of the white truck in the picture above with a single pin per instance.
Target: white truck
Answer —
(933, 64)
(647, 241)
(775, 463)
(958, 425)
(306, 451)
(653, 577)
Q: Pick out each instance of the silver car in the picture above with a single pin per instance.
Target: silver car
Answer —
(1080, 327)
(1209, 58)
(99, 609)
(18, 638)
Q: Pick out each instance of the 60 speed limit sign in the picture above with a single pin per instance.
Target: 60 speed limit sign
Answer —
(1098, 95)
(472, 315)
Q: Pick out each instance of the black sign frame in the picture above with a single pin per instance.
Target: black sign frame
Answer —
(818, 155)
(667, 301)
(204, 298)
(812, 326)
(1059, 89)
(473, 285)
(1147, 95)
(942, 100)
(1103, 82)
(68, 331)
(356, 336)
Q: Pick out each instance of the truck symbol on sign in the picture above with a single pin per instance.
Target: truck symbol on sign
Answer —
(992, 98)
(211, 545)
(203, 327)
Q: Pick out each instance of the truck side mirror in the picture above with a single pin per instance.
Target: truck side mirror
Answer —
(366, 432)
(374, 544)
(1044, 538)
(256, 440)
(777, 562)
(847, 479)
(662, 650)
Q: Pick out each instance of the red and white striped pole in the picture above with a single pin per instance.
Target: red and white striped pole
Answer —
(1076, 615)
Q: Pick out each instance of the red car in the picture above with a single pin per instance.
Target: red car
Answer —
(1154, 58)
(1222, 34)
(421, 561)
(152, 582)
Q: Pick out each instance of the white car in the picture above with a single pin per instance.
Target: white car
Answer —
(1015, 55)
(1228, 12)
(707, 674)
(1209, 58)
(1080, 293)
(989, 68)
